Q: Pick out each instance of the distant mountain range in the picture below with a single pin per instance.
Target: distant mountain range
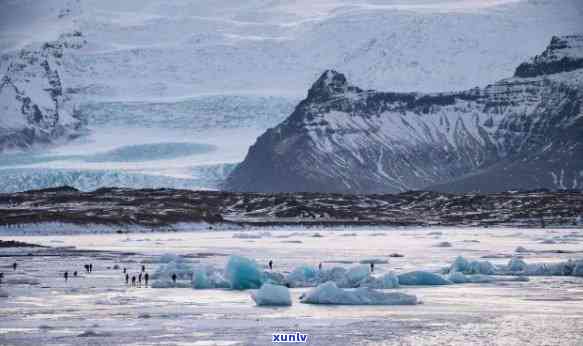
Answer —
(34, 108)
(522, 132)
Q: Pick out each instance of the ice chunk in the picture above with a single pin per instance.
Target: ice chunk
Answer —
(274, 278)
(551, 269)
(460, 264)
(272, 295)
(243, 273)
(422, 278)
(357, 274)
(387, 281)
(516, 264)
(329, 293)
(181, 268)
(480, 267)
(521, 249)
(457, 278)
(335, 274)
(200, 280)
(578, 270)
(302, 276)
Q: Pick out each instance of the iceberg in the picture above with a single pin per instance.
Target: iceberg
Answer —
(272, 295)
(357, 274)
(387, 281)
(457, 278)
(578, 270)
(462, 265)
(335, 274)
(422, 278)
(182, 269)
(329, 293)
(243, 273)
(516, 264)
(274, 278)
(302, 276)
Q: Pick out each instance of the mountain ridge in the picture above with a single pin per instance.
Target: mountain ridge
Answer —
(345, 139)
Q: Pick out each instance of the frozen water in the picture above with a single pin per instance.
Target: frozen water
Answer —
(457, 278)
(181, 268)
(243, 273)
(460, 264)
(335, 274)
(272, 295)
(21, 280)
(4, 293)
(357, 274)
(275, 278)
(422, 278)
(329, 293)
(516, 264)
(463, 265)
(302, 276)
(386, 281)
(208, 277)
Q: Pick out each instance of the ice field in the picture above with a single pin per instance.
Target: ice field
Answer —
(98, 308)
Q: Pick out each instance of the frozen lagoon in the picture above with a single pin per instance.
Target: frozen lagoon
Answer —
(99, 309)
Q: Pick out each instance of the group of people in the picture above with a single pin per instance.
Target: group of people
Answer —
(136, 281)
(88, 269)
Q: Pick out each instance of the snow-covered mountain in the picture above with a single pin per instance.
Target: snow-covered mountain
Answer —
(160, 72)
(520, 132)
(34, 108)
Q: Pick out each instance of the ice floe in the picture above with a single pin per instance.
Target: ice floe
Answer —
(272, 295)
(330, 293)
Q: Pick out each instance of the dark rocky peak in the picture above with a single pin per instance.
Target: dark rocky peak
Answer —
(330, 84)
(563, 54)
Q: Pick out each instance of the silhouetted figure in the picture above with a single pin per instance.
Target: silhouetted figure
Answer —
(174, 278)
(143, 268)
(125, 270)
(133, 280)
(90, 267)
(146, 278)
(66, 275)
(372, 267)
(86, 267)
(320, 266)
(75, 273)
(270, 265)
(14, 265)
(127, 278)
(140, 279)
(1, 277)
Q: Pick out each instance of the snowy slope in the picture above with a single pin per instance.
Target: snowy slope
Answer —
(523, 131)
(203, 65)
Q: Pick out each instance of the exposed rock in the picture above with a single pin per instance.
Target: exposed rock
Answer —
(518, 133)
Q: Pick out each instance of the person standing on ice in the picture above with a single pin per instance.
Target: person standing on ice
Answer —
(127, 278)
(125, 270)
(320, 266)
(270, 265)
(1, 277)
(66, 276)
(91, 267)
(14, 265)
(133, 280)
(371, 267)
(143, 268)
(140, 279)
(146, 278)
(174, 278)
(75, 273)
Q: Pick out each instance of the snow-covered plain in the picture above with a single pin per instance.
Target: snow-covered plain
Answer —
(99, 308)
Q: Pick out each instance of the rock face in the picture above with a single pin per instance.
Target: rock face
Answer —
(34, 108)
(522, 132)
